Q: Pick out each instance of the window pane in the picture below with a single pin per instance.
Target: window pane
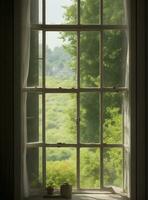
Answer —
(61, 118)
(61, 12)
(34, 117)
(90, 11)
(113, 167)
(61, 51)
(89, 118)
(34, 167)
(40, 11)
(40, 117)
(34, 78)
(114, 11)
(36, 11)
(60, 166)
(113, 118)
(115, 58)
(89, 168)
(40, 44)
(89, 59)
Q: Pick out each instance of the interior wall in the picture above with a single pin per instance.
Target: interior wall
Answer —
(140, 131)
(6, 101)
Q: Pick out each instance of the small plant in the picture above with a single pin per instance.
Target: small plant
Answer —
(50, 187)
(66, 190)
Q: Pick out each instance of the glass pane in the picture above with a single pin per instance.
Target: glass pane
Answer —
(115, 58)
(89, 59)
(34, 78)
(90, 11)
(114, 11)
(113, 167)
(89, 168)
(113, 118)
(40, 44)
(61, 12)
(40, 11)
(34, 117)
(89, 118)
(36, 11)
(34, 167)
(40, 117)
(60, 166)
(40, 72)
(61, 51)
(61, 118)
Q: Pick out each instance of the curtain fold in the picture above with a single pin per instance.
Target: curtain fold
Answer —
(126, 109)
(25, 57)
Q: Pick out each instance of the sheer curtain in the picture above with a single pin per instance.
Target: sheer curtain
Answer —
(25, 57)
(126, 109)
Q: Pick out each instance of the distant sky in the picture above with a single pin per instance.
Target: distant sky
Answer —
(55, 10)
(52, 40)
(54, 15)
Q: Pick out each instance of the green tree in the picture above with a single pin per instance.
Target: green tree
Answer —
(114, 54)
(114, 61)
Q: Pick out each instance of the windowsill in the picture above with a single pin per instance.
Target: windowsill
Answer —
(86, 197)
(110, 194)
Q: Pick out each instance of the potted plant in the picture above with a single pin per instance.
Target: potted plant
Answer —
(50, 187)
(66, 190)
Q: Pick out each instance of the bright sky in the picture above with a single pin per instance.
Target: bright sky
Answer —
(54, 15)
(52, 40)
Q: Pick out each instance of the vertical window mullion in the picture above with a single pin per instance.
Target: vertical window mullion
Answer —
(78, 98)
(44, 140)
(44, 100)
(101, 112)
(78, 111)
(101, 99)
(123, 141)
(101, 12)
(78, 1)
(44, 12)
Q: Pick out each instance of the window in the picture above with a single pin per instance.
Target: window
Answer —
(77, 94)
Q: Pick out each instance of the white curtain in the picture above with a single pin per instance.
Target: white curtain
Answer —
(126, 109)
(25, 57)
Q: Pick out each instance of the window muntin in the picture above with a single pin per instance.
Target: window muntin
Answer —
(97, 84)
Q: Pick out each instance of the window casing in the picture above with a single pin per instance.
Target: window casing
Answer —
(42, 90)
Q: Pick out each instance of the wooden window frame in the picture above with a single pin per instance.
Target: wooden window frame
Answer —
(137, 82)
(43, 90)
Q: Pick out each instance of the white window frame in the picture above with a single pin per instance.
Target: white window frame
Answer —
(77, 28)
